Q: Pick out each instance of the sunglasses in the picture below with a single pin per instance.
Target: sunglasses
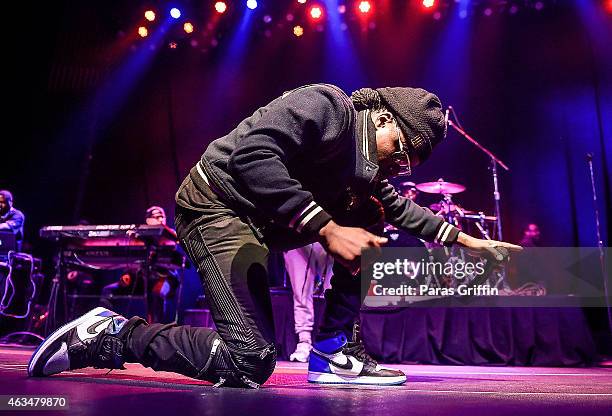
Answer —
(401, 157)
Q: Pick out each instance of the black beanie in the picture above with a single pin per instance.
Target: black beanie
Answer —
(419, 115)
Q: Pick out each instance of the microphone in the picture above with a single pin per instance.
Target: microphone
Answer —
(589, 157)
(446, 115)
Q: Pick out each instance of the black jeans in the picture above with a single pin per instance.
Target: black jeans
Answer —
(231, 258)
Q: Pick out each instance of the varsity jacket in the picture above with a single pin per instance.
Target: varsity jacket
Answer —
(303, 159)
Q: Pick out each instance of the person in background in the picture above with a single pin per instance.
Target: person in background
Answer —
(157, 216)
(409, 190)
(401, 238)
(165, 281)
(162, 285)
(308, 267)
(11, 219)
(531, 236)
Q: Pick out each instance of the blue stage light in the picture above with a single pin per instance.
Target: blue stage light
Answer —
(175, 13)
(252, 4)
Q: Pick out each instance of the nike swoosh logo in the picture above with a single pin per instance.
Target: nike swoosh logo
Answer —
(347, 366)
(92, 328)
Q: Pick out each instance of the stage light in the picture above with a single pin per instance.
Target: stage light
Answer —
(188, 27)
(143, 32)
(150, 15)
(316, 12)
(342, 9)
(365, 7)
(172, 45)
(298, 30)
(252, 4)
(175, 13)
(429, 3)
(608, 6)
(301, 1)
(220, 7)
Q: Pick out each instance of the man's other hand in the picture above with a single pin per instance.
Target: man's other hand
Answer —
(486, 248)
(345, 243)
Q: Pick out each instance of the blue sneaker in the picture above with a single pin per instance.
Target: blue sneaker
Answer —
(338, 361)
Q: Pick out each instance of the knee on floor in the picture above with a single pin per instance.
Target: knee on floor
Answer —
(257, 364)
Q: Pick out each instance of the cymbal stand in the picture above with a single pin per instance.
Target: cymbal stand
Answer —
(494, 162)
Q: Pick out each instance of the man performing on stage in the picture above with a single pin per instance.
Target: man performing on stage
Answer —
(309, 166)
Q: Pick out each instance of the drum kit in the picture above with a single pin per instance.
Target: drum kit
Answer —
(470, 221)
(464, 219)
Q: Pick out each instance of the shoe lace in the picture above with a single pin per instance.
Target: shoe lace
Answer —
(357, 349)
(104, 351)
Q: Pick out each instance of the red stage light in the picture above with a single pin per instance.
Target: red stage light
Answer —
(429, 3)
(143, 32)
(149, 15)
(220, 7)
(365, 7)
(316, 12)
(298, 31)
(608, 6)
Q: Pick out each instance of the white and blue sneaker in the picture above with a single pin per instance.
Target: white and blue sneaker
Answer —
(96, 339)
(339, 361)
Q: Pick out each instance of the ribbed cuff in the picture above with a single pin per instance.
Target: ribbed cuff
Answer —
(310, 219)
(446, 234)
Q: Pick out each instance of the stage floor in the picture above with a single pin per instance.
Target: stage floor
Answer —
(431, 390)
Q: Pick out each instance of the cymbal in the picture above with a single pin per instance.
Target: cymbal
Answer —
(440, 187)
(453, 207)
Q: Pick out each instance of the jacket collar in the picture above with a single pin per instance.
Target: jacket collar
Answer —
(365, 132)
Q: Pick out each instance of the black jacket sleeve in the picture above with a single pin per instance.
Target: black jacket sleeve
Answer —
(297, 122)
(406, 214)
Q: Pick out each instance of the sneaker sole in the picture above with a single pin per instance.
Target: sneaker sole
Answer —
(55, 335)
(330, 378)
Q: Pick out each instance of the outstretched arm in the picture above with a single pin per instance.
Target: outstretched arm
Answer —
(405, 214)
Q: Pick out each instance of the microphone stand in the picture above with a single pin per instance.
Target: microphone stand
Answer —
(494, 162)
(600, 246)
